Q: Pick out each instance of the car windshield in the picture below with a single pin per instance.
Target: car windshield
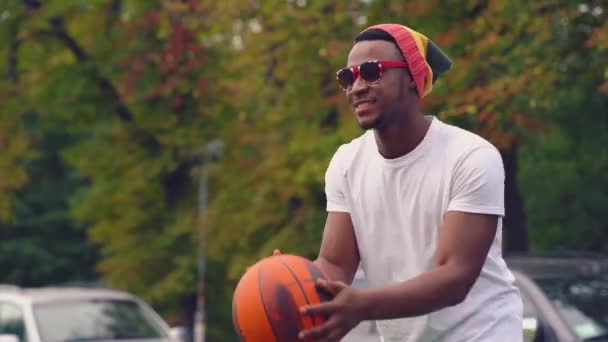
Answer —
(94, 320)
(582, 302)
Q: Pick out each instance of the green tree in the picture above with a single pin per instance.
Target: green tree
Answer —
(514, 77)
(290, 118)
(43, 245)
(563, 170)
(119, 93)
(39, 243)
(107, 105)
(507, 84)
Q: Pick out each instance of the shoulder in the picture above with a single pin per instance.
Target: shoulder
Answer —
(347, 153)
(461, 145)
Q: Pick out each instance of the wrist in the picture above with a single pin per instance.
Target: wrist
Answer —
(365, 305)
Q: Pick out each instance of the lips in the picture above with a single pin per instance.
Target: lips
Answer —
(363, 103)
(364, 106)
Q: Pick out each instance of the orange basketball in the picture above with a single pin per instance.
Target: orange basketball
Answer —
(266, 301)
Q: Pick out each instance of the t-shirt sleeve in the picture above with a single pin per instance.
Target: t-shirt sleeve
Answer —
(335, 183)
(478, 183)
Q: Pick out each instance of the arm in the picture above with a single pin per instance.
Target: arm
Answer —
(463, 245)
(462, 248)
(339, 254)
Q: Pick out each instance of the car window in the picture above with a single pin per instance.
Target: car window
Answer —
(89, 320)
(11, 321)
(582, 302)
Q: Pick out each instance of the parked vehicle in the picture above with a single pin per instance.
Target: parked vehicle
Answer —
(54, 314)
(565, 296)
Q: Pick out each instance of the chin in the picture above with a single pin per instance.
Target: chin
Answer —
(366, 125)
(370, 124)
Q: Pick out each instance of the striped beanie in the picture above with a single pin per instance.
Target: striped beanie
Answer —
(425, 60)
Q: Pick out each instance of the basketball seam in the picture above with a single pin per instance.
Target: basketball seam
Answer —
(323, 275)
(276, 338)
(297, 281)
(312, 319)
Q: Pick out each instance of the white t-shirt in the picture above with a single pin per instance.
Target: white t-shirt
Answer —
(397, 207)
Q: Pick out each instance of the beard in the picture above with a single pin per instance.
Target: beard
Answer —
(375, 123)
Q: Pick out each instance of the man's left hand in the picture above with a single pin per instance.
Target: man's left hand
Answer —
(345, 311)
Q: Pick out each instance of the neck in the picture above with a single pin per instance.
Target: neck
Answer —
(401, 137)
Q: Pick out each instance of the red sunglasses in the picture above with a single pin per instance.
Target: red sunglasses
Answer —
(370, 71)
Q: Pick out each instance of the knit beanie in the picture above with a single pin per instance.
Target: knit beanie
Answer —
(426, 61)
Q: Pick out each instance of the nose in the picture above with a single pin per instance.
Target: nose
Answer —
(359, 86)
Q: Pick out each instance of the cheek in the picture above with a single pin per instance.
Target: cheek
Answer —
(390, 94)
(393, 87)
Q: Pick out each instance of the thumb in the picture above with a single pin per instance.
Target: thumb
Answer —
(276, 252)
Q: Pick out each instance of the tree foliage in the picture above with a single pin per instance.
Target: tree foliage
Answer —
(107, 106)
(126, 86)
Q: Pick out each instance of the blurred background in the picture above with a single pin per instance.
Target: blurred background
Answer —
(145, 144)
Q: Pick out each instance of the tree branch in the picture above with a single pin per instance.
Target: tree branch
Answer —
(113, 13)
(59, 32)
(514, 223)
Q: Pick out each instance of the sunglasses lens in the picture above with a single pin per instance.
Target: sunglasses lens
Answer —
(370, 71)
(346, 78)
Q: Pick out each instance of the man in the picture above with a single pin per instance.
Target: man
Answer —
(417, 202)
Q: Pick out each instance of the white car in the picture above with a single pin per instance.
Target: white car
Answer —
(70, 314)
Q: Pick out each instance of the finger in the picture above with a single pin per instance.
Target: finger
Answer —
(276, 252)
(335, 335)
(318, 309)
(319, 332)
(332, 287)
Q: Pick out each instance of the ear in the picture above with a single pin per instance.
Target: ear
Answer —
(412, 84)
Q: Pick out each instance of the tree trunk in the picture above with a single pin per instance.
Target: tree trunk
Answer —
(514, 223)
(188, 308)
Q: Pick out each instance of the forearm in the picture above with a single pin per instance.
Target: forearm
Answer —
(335, 272)
(439, 288)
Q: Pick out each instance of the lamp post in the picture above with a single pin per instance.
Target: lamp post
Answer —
(212, 153)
